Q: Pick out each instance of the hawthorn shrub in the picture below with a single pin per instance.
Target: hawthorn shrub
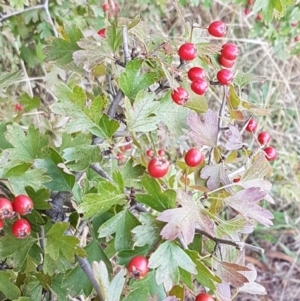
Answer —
(95, 198)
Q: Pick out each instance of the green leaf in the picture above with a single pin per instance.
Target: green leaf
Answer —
(61, 50)
(10, 290)
(40, 198)
(79, 158)
(54, 164)
(108, 126)
(76, 280)
(116, 287)
(114, 36)
(73, 104)
(172, 115)
(272, 8)
(243, 79)
(148, 232)
(140, 293)
(21, 176)
(156, 198)
(233, 97)
(27, 147)
(121, 224)
(4, 144)
(98, 203)
(166, 259)
(60, 244)
(140, 116)
(204, 276)
(33, 288)
(29, 103)
(131, 174)
(132, 81)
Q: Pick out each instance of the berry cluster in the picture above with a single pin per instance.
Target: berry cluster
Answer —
(21, 205)
(188, 52)
(158, 166)
(263, 139)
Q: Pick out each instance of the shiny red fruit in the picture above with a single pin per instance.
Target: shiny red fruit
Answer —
(225, 77)
(161, 152)
(297, 38)
(138, 267)
(22, 204)
(196, 73)
(1, 224)
(199, 86)
(150, 153)
(236, 180)
(180, 96)
(270, 153)
(225, 63)
(230, 51)
(21, 228)
(259, 17)
(251, 126)
(193, 157)
(263, 137)
(247, 11)
(204, 297)
(187, 51)
(158, 167)
(102, 32)
(217, 29)
(18, 107)
(6, 208)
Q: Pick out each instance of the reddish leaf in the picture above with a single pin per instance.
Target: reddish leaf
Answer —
(204, 133)
(235, 140)
(244, 202)
(182, 220)
(215, 174)
(252, 287)
(231, 273)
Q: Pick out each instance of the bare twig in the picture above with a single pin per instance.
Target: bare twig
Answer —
(114, 105)
(87, 269)
(101, 172)
(7, 16)
(238, 244)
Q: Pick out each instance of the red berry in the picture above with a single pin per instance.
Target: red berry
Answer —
(21, 228)
(297, 38)
(263, 137)
(105, 6)
(150, 153)
(125, 147)
(204, 297)
(193, 157)
(247, 11)
(6, 208)
(225, 77)
(102, 32)
(187, 51)
(225, 63)
(158, 167)
(230, 51)
(270, 153)
(161, 152)
(259, 17)
(120, 156)
(22, 204)
(199, 86)
(250, 2)
(294, 24)
(251, 126)
(196, 73)
(1, 224)
(180, 96)
(18, 107)
(236, 180)
(138, 267)
(217, 29)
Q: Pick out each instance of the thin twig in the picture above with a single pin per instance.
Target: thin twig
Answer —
(101, 172)
(46, 8)
(113, 106)
(87, 269)
(238, 244)
(125, 44)
(7, 16)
